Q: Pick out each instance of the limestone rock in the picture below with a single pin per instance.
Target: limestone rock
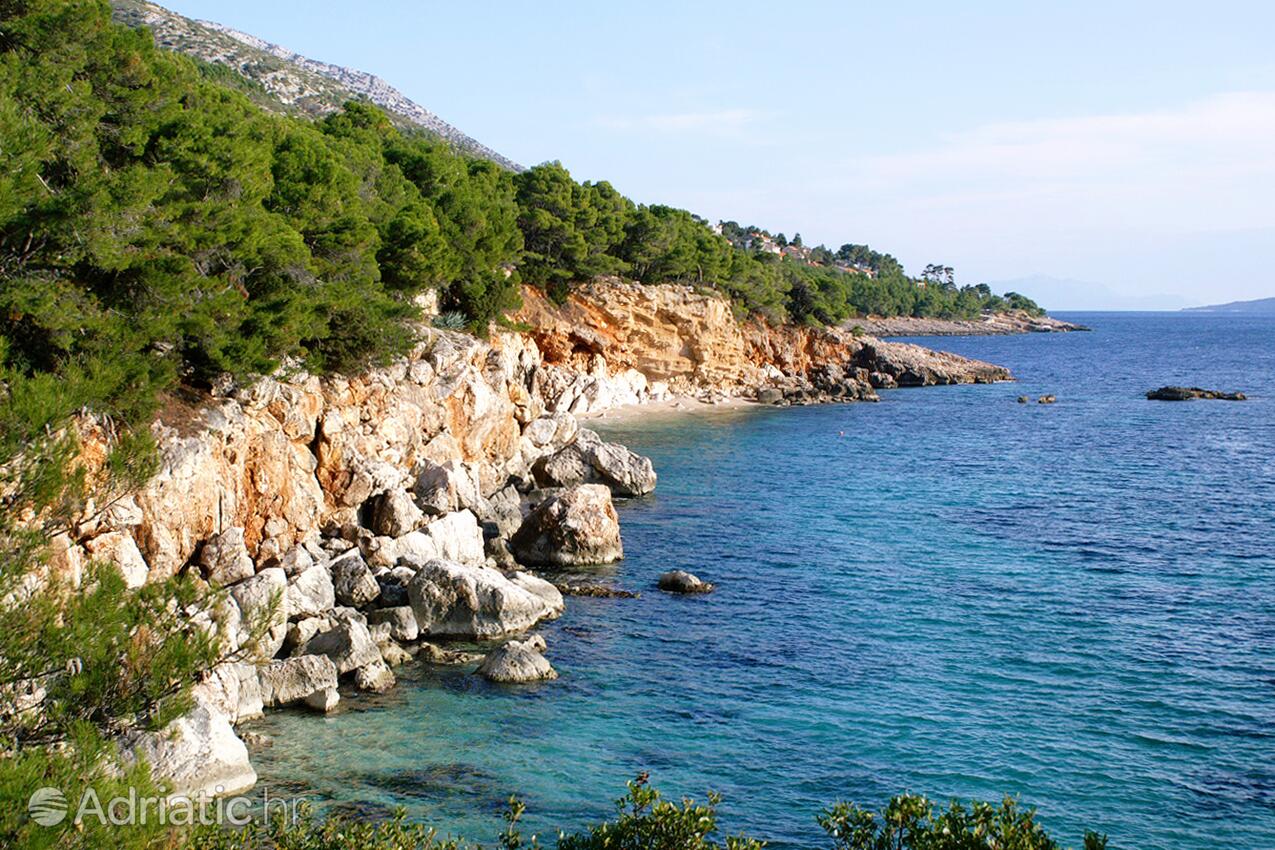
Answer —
(231, 688)
(395, 514)
(295, 679)
(197, 754)
(310, 593)
(457, 537)
(578, 526)
(591, 460)
(517, 661)
(551, 431)
(442, 488)
(265, 597)
(323, 701)
(375, 677)
(680, 581)
(463, 600)
(118, 548)
(548, 592)
(348, 644)
(355, 585)
(401, 620)
(454, 537)
(297, 560)
(225, 558)
(300, 632)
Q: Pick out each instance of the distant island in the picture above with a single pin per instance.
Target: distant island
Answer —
(1256, 307)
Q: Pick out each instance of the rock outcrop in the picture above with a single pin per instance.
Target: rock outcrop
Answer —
(589, 459)
(680, 581)
(197, 755)
(461, 600)
(1189, 393)
(577, 526)
(616, 343)
(518, 661)
(292, 680)
(350, 516)
(990, 324)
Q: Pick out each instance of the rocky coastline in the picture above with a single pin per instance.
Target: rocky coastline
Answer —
(991, 324)
(351, 524)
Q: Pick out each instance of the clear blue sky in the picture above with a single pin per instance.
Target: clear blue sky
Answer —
(1130, 146)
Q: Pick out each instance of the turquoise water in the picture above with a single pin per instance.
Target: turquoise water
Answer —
(961, 596)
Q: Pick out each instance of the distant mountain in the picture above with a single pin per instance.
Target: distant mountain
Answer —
(288, 82)
(1054, 294)
(1256, 307)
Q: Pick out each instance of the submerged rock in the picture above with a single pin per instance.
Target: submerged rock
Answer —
(577, 526)
(680, 581)
(596, 590)
(1188, 393)
(435, 654)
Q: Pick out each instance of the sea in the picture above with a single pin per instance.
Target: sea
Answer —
(947, 593)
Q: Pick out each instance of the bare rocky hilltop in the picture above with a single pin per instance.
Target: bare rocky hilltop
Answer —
(288, 81)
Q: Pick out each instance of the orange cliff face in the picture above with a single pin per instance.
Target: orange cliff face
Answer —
(674, 339)
(286, 456)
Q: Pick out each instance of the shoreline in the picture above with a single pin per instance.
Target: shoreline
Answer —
(678, 405)
(995, 324)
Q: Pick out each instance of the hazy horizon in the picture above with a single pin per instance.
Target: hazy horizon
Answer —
(1127, 149)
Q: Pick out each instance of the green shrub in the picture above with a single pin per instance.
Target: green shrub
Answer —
(911, 822)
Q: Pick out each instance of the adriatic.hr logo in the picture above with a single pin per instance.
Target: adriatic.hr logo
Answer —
(47, 806)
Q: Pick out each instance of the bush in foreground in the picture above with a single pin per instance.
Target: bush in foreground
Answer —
(644, 820)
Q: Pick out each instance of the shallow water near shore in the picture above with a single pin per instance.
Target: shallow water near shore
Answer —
(947, 592)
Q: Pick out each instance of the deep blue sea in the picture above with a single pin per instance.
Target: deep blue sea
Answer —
(946, 592)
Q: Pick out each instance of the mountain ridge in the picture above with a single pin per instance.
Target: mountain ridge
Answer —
(1255, 306)
(294, 82)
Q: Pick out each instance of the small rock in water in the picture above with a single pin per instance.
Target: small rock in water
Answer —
(1188, 393)
(680, 581)
(324, 701)
(597, 590)
(770, 395)
(1047, 399)
(435, 654)
(518, 661)
(375, 677)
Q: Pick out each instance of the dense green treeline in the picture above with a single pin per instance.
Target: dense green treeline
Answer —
(156, 224)
(575, 231)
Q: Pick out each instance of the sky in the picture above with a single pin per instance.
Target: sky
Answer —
(1096, 154)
